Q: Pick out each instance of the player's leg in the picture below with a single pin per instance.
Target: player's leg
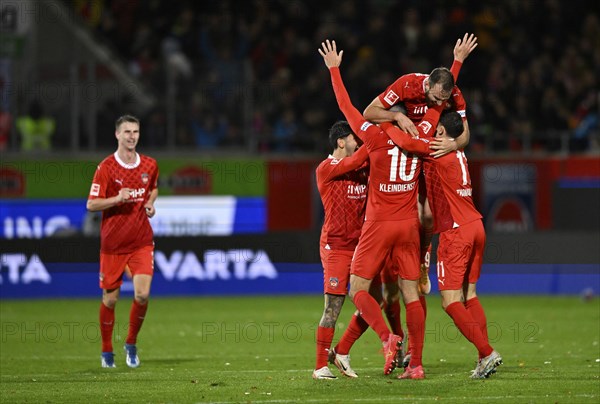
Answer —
(475, 309)
(336, 273)
(452, 304)
(415, 324)
(107, 324)
(406, 257)
(391, 297)
(391, 308)
(141, 265)
(486, 365)
(331, 311)
(454, 254)
(111, 275)
(425, 236)
(472, 302)
(371, 312)
(357, 325)
(374, 246)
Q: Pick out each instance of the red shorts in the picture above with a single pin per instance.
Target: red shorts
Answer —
(398, 240)
(336, 270)
(460, 255)
(112, 266)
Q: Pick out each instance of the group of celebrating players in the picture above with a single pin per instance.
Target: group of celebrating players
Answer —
(383, 201)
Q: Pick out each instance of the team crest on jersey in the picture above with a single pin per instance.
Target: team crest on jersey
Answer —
(95, 191)
(334, 282)
(365, 125)
(145, 177)
(391, 97)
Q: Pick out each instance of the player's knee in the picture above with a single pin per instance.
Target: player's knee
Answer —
(110, 301)
(142, 297)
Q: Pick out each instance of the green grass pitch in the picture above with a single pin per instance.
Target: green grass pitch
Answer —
(262, 349)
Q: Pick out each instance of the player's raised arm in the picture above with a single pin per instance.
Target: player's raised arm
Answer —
(332, 60)
(462, 49)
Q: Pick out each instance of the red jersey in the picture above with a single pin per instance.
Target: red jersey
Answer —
(393, 183)
(410, 90)
(448, 182)
(125, 227)
(342, 185)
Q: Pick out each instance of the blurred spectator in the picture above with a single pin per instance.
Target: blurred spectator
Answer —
(209, 128)
(533, 78)
(36, 129)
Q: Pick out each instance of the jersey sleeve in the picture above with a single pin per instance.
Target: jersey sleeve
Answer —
(455, 69)
(459, 102)
(99, 183)
(394, 93)
(345, 165)
(360, 126)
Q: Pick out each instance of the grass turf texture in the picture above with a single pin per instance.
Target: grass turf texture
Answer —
(261, 349)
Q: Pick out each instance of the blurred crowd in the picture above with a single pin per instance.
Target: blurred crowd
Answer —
(249, 72)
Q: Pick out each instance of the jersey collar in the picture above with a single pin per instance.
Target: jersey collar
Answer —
(128, 166)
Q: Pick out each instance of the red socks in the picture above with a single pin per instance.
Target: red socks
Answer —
(469, 328)
(355, 329)
(324, 338)
(475, 309)
(371, 312)
(415, 322)
(107, 323)
(136, 319)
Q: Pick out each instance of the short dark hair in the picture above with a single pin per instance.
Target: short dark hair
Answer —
(126, 118)
(453, 123)
(338, 130)
(443, 76)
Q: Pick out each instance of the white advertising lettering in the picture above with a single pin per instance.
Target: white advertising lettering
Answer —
(21, 227)
(33, 269)
(217, 264)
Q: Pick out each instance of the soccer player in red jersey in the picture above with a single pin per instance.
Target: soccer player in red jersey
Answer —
(124, 188)
(342, 182)
(417, 92)
(391, 227)
(462, 236)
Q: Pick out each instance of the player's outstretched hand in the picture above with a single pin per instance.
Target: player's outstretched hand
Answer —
(330, 55)
(464, 47)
